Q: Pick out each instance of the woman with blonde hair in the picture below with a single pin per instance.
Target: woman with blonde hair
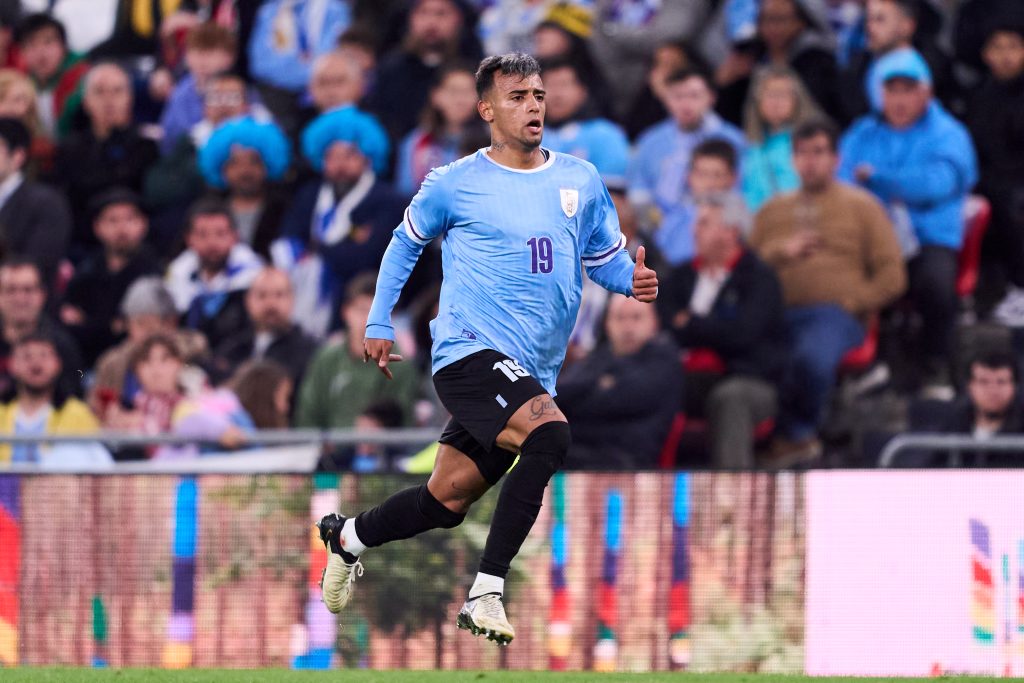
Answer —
(18, 100)
(777, 104)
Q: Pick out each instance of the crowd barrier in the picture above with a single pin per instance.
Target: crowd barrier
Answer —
(828, 572)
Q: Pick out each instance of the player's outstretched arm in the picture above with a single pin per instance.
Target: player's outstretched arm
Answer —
(395, 268)
(645, 280)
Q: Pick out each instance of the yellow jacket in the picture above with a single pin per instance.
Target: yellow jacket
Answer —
(74, 417)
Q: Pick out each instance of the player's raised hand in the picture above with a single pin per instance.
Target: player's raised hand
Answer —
(379, 350)
(645, 280)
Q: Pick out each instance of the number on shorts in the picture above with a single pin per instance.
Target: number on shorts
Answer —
(541, 253)
(511, 369)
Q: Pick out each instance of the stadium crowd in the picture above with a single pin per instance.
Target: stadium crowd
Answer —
(195, 196)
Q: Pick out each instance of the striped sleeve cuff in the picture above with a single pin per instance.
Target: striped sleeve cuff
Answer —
(605, 257)
(411, 230)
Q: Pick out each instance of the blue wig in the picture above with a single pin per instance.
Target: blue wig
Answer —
(346, 124)
(263, 136)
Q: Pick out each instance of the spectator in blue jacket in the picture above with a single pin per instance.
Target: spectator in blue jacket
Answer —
(920, 162)
(657, 172)
(573, 124)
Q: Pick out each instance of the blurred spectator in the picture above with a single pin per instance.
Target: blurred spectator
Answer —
(975, 20)
(22, 312)
(209, 279)
(88, 22)
(10, 14)
(892, 25)
(839, 262)
(508, 26)
(338, 225)
(996, 121)
(55, 70)
(449, 118)
(713, 169)
(287, 36)
(573, 123)
(790, 33)
(370, 457)
(622, 397)
(147, 309)
(271, 334)
(174, 181)
(564, 34)
(433, 35)
(661, 159)
(256, 397)
(725, 307)
(919, 161)
(626, 33)
(647, 107)
(110, 153)
(778, 103)
(157, 365)
(18, 101)
(338, 80)
(338, 385)
(209, 50)
(245, 159)
(41, 407)
(90, 308)
(35, 220)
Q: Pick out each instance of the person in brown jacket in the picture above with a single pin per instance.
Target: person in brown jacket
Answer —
(839, 262)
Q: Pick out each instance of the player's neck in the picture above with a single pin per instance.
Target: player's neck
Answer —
(515, 156)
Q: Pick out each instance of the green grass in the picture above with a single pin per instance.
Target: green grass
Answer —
(83, 675)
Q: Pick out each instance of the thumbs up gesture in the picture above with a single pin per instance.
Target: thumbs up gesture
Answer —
(645, 280)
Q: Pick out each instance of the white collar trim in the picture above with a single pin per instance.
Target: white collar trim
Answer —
(547, 164)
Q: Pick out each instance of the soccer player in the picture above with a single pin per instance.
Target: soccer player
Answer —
(516, 220)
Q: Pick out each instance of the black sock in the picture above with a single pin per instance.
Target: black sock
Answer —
(522, 494)
(404, 515)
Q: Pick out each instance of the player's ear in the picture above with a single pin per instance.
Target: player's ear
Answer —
(483, 107)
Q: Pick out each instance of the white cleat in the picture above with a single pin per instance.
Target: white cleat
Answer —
(338, 580)
(484, 615)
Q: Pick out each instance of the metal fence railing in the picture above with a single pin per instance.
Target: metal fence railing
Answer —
(955, 445)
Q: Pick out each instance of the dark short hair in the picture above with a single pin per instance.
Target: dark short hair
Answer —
(364, 284)
(209, 206)
(688, 72)
(911, 8)
(112, 196)
(511, 64)
(361, 36)
(21, 261)
(563, 62)
(814, 128)
(387, 412)
(15, 134)
(716, 148)
(142, 351)
(34, 23)
(996, 360)
(209, 36)
(38, 337)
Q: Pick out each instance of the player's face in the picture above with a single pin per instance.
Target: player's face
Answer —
(991, 389)
(515, 109)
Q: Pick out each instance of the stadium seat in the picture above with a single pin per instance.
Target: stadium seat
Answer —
(977, 215)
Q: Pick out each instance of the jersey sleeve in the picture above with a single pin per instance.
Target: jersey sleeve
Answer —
(603, 237)
(427, 215)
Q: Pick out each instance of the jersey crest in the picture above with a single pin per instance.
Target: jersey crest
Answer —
(570, 201)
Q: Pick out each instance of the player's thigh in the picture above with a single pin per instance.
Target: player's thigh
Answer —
(456, 481)
(532, 414)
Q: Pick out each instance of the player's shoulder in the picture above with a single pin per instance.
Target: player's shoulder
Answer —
(575, 165)
(449, 175)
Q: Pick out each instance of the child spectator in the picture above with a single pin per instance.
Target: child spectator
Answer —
(55, 70)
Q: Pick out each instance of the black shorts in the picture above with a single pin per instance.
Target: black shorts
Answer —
(482, 391)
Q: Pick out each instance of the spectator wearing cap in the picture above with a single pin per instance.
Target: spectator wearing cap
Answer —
(111, 152)
(209, 279)
(209, 50)
(573, 123)
(41, 407)
(287, 37)
(919, 161)
(271, 332)
(53, 67)
(434, 34)
(996, 121)
(661, 159)
(243, 160)
(892, 25)
(147, 309)
(339, 224)
(35, 220)
(90, 308)
(23, 312)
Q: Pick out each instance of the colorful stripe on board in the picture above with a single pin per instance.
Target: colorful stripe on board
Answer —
(181, 624)
(679, 591)
(559, 619)
(606, 648)
(312, 644)
(983, 593)
(10, 563)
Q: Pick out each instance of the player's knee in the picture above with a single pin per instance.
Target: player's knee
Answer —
(439, 513)
(548, 443)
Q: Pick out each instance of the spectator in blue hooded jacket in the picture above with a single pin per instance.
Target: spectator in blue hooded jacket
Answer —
(920, 162)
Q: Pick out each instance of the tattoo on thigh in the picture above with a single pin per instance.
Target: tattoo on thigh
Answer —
(541, 407)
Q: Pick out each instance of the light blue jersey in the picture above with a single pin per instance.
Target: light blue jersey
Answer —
(514, 241)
